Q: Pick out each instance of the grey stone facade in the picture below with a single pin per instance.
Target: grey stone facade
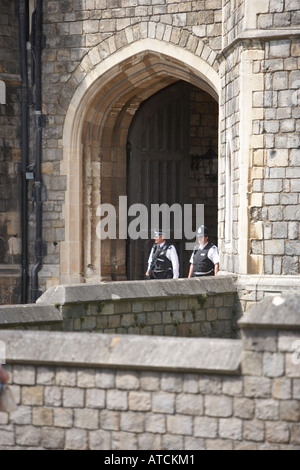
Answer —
(9, 156)
(243, 55)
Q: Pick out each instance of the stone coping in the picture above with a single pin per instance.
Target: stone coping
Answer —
(126, 290)
(122, 351)
(29, 314)
(279, 311)
(270, 282)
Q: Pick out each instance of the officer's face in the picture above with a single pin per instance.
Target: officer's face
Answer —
(202, 240)
(158, 239)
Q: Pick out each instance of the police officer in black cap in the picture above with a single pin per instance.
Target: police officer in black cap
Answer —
(163, 260)
(205, 260)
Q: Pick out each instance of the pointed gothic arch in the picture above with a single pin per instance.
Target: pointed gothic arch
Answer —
(94, 144)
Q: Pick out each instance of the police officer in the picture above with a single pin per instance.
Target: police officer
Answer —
(205, 259)
(163, 260)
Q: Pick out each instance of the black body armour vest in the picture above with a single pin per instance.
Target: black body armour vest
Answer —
(161, 267)
(201, 263)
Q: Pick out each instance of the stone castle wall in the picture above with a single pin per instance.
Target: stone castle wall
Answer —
(10, 156)
(91, 391)
(253, 48)
(260, 135)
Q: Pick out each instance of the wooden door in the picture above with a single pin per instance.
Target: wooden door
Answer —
(158, 167)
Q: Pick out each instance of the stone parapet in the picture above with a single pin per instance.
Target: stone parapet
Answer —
(279, 312)
(29, 315)
(184, 307)
(128, 290)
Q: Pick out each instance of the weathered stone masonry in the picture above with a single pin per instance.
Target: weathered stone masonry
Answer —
(258, 118)
(9, 157)
(93, 391)
(185, 308)
(101, 60)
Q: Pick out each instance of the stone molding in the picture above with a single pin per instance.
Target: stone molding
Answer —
(124, 290)
(125, 351)
(274, 312)
(29, 314)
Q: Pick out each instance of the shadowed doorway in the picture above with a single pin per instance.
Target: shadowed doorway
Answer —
(172, 159)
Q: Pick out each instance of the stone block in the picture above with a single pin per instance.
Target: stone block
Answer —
(76, 439)
(252, 363)
(289, 410)
(22, 415)
(280, 49)
(66, 377)
(42, 416)
(230, 428)
(53, 396)
(139, 401)
(29, 436)
(99, 440)
(282, 388)
(280, 230)
(257, 387)
(244, 408)
(218, 406)
(63, 417)
(180, 424)
(127, 380)
(274, 247)
(163, 402)
(292, 365)
(273, 364)
(155, 423)
(205, 427)
(33, 395)
(291, 5)
(132, 422)
(116, 400)
(110, 420)
(95, 398)
(23, 376)
(52, 438)
(254, 431)
(273, 186)
(189, 404)
(277, 432)
(277, 158)
(73, 397)
(7, 438)
(105, 379)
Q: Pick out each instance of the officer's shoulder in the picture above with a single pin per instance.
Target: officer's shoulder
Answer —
(213, 246)
(170, 245)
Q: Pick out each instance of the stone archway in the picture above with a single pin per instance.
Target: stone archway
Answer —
(94, 141)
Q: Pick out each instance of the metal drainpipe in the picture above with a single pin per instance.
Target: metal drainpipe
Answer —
(38, 153)
(24, 147)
